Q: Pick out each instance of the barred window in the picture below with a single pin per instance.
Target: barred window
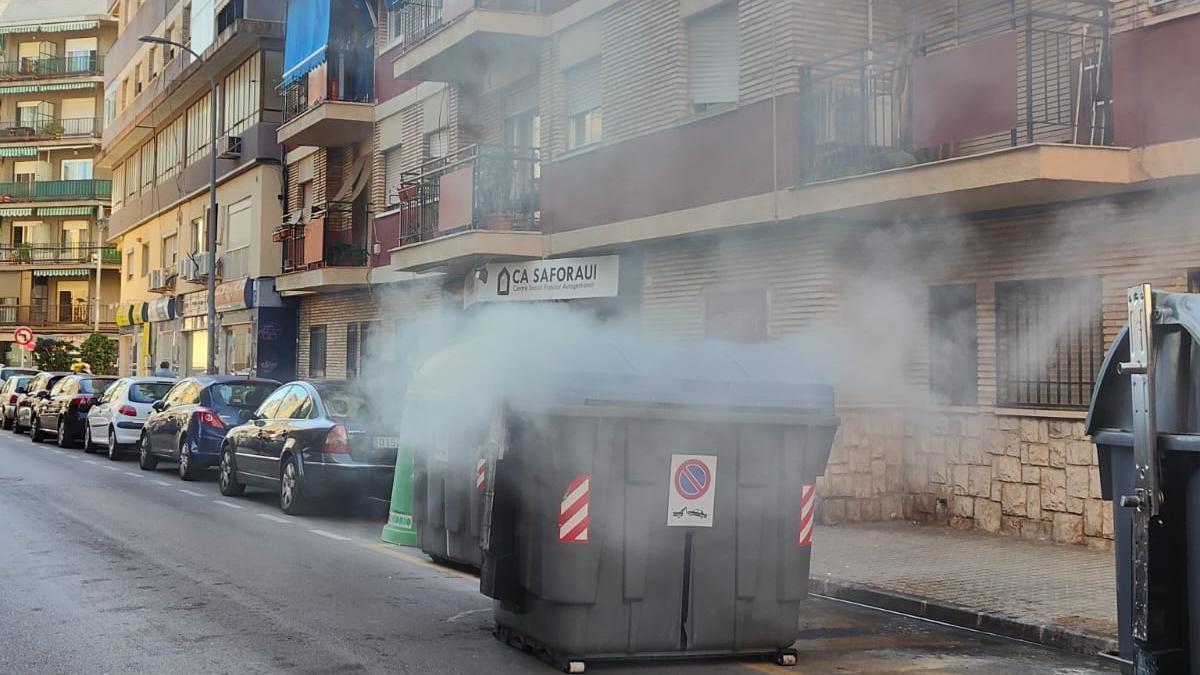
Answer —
(242, 95)
(1049, 342)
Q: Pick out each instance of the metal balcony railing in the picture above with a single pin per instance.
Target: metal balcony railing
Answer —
(51, 67)
(55, 190)
(299, 97)
(900, 100)
(40, 316)
(41, 129)
(492, 188)
(343, 239)
(415, 20)
(57, 253)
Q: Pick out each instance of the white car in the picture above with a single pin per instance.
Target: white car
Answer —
(115, 421)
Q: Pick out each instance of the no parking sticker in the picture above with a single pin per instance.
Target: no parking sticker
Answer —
(692, 492)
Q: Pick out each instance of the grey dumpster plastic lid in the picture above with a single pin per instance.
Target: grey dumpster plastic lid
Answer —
(636, 372)
(1177, 374)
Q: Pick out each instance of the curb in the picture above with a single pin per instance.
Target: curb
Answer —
(1050, 635)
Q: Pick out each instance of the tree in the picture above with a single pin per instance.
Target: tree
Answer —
(51, 354)
(100, 353)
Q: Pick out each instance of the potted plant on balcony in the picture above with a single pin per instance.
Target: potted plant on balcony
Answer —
(53, 129)
(24, 252)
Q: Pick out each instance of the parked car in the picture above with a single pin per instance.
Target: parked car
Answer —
(38, 387)
(12, 389)
(115, 422)
(309, 441)
(9, 371)
(63, 412)
(189, 423)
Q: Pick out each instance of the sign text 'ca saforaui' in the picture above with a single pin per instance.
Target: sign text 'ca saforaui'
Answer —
(561, 279)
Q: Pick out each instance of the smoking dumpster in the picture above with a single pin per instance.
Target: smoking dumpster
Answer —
(650, 502)
(1145, 421)
(448, 482)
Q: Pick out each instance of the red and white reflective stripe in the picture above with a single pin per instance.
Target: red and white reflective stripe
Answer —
(808, 500)
(480, 474)
(573, 512)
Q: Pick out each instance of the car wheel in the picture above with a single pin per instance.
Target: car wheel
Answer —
(63, 440)
(114, 450)
(35, 430)
(16, 426)
(187, 468)
(6, 423)
(227, 480)
(146, 459)
(88, 446)
(291, 495)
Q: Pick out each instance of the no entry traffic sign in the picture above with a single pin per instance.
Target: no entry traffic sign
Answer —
(23, 335)
(692, 494)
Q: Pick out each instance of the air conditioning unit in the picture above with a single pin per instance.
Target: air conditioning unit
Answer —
(231, 147)
(194, 268)
(158, 280)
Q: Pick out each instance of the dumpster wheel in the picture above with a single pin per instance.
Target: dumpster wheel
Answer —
(519, 641)
(786, 657)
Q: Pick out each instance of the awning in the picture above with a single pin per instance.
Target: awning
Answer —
(39, 88)
(73, 272)
(123, 317)
(138, 313)
(66, 211)
(16, 212)
(18, 152)
(306, 37)
(50, 27)
(162, 309)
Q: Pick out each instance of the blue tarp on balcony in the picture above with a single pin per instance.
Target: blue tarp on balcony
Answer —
(307, 37)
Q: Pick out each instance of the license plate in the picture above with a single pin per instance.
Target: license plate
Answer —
(387, 443)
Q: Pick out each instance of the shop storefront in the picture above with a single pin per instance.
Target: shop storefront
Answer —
(256, 330)
(164, 331)
(609, 286)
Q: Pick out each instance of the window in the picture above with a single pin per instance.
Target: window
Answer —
(316, 351)
(129, 264)
(170, 251)
(231, 12)
(133, 175)
(585, 97)
(437, 144)
(712, 44)
(168, 148)
(1049, 341)
(118, 190)
(1194, 280)
(110, 104)
(953, 345)
(145, 259)
(199, 129)
(26, 172)
(239, 230)
(270, 407)
(197, 236)
(352, 350)
(393, 169)
(306, 195)
(242, 97)
(197, 344)
(77, 169)
(147, 172)
(137, 79)
(237, 349)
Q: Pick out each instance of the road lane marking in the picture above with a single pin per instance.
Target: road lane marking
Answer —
(330, 535)
(395, 552)
(91, 461)
(270, 517)
(132, 474)
(109, 468)
(161, 483)
(229, 504)
(59, 452)
(190, 492)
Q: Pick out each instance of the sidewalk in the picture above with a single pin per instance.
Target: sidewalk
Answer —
(1053, 594)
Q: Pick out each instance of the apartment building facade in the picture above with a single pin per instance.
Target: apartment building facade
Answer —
(56, 274)
(157, 144)
(945, 199)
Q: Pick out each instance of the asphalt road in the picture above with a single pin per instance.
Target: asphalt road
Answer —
(105, 568)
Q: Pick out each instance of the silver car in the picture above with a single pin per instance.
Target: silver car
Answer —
(115, 422)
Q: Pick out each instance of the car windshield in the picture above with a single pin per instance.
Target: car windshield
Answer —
(95, 385)
(342, 403)
(23, 384)
(242, 395)
(149, 392)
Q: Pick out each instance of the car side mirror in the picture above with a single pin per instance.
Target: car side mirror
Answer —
(158, 406)
(43, 394)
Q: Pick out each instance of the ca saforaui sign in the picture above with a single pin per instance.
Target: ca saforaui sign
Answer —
(559, 279)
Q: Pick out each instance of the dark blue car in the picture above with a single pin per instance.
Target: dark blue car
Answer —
(190, 422)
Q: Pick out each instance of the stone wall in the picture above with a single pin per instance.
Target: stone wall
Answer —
(1033, 477)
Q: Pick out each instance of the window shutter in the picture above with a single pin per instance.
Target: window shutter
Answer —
(584, 90)
(393, 167)
(713, 56)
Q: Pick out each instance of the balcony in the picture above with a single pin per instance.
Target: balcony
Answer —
(328, 253)
(50, 254)
(480, 201)
(447, 40)
(324, 110)
(958, 84)
(80, 315)
(50, 129)
(55, 191)
(90, 64)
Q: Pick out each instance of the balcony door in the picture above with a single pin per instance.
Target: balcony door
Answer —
(75, 240)
(77, 169)
(81, 54)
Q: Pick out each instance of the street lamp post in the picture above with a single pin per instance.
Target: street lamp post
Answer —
(211, 224)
